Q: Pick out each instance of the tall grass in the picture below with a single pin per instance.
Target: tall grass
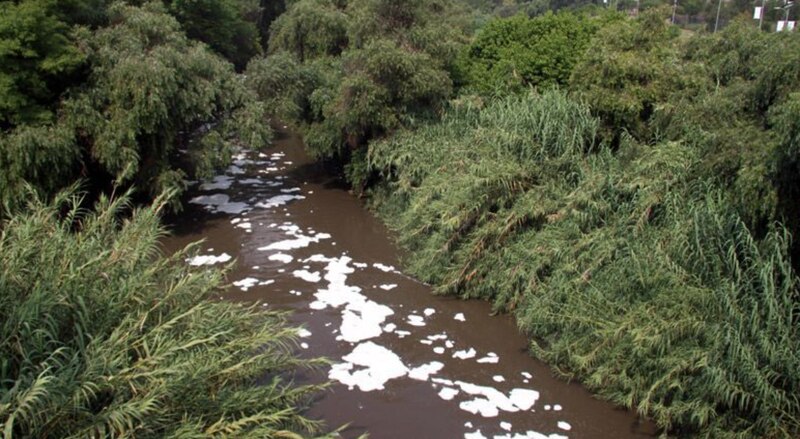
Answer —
(627, 271)
(102, 336)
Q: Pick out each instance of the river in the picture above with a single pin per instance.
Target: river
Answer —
(405, 363)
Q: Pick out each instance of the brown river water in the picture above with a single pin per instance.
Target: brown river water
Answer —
(404, 362)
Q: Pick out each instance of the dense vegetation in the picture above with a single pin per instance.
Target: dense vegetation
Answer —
(636, 223)
(626, 189)
(103, 337)
(349, 72)
(137, 115)
(100, 335)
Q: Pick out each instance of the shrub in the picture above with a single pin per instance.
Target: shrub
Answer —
(100, 335)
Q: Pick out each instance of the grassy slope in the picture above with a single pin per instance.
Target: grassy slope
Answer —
(625, 270)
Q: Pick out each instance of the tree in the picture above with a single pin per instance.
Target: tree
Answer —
(629, 69)
(137, 120)
(223, 25)
(37, 60)
(510, 55)
(310, 29)
(367, 67)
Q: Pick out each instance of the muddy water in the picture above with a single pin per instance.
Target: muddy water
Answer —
(405, 363)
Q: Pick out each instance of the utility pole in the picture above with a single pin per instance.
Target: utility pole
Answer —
(716, 23)
(787, 6)
(761, 15)
(674, 8)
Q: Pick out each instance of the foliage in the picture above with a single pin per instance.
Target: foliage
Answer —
(748, 76)
(37, 56)
(626, 269)
(630, 67)
(223, 25)
(102, 336)
(510, 55)
(361, 69)
(310, 29)
(154, 102)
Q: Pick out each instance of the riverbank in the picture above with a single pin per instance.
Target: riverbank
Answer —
(303, 243)
(624, 269)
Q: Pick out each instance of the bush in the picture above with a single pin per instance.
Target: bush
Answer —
(103, 336)
(510, 55)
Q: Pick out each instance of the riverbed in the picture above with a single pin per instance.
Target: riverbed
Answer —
(404, 362)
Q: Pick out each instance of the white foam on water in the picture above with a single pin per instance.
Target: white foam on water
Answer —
(448, 393)
(278, 200)
(564, 425)
(363, 320)
(388, 287)
(299, 240)
(427, 342)
(246, 283)
(281, 257)
(402, 334)
(529, 435)
(439, 350)
(527, 375)
(415, 320)
(389, 327)
(307, 275)
(465, 354)
(303, 333)
(449, 344)
(219, 182)
(246, 226)
(474, 435)
(304, 345)
(429, 312)
(235, 170)
(423, 372)
(498, 378)
(489, 401)
(210, 200)
(480, 406)
(236, 221)
(468, 424)
(547, 407)
(384, 268)
(234, 208)
(378, 366)
(557, 407)
(209, 259)
(460, 317)
(250, 181)
(523, 398)
(291, 190)
(491, 357)
(220, 203)
(505, 426)
(266, 282)
(359, 264)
